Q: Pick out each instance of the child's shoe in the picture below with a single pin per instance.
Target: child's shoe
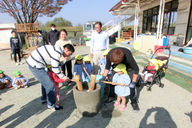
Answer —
(116, 104)
(123, 107)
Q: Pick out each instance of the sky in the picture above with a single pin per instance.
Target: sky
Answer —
(78, 12)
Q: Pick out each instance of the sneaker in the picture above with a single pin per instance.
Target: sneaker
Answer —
(116, 104)
(123, 107)
(20, 63)
(51, 107)
(135, 106)
(55, 107)
(58, 107)
(16, 64)
(26, 86)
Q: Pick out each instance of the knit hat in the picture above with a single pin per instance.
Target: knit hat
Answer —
(86, 58)
(1, 71)
(106, 52)
(78, 57)
(16, 73)
(120, 68)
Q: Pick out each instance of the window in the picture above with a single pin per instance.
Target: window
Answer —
(189, 31)
(150, 18)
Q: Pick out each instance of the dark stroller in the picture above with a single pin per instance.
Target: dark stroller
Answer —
(158, 74)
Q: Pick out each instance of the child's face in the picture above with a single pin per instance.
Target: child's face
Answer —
(104, 56)
(119, 73)
(13, 34)
(1, 75)
(79, 61)
(87, 62)
(151, 64)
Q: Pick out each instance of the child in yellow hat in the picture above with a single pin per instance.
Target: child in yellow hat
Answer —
(122, 90)
(78, 68)
(87, 65)
(19, 81)
(4, 80)
(102, 62)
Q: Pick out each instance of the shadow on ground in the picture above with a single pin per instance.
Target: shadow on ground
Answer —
(189, 114)
(32, 81)
(162, 119)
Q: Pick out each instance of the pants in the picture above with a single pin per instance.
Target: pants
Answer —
(47, 85)
(68, 64)
(15, 52)
(97, 55)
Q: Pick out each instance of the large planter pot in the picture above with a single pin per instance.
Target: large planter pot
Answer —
(87, 102)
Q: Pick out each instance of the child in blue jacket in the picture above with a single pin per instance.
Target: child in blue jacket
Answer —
(122, 90)
(19, 81)
(78, 67)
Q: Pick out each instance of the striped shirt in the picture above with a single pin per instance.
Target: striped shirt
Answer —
(45, 55)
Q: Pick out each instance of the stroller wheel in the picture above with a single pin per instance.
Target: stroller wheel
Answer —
(148, 88)
(161, 85)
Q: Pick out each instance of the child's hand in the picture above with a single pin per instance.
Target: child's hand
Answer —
(122, 84)
(66, 79)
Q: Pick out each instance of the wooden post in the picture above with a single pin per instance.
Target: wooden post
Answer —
(78, 83)
(92, 83)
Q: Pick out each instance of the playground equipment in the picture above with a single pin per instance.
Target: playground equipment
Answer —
(88, 29)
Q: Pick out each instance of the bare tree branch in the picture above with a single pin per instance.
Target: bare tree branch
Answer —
(28, 11)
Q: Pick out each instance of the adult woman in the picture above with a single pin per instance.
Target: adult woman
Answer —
(60, 43)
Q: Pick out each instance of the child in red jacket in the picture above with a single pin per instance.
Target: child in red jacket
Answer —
(151, 69)
(56, 80)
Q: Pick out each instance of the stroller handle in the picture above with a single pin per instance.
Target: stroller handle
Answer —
(167, 48)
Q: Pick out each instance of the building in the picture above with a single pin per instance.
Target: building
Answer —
(177, 16)
(5, 32)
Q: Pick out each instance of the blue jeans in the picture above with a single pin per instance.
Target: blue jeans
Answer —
(47, 86)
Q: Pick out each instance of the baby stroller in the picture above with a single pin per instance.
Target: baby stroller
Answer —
(157, 74)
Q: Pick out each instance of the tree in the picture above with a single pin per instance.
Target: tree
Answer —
(59, 22)
(27, 11)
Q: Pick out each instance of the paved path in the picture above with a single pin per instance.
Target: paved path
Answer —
(167, 107)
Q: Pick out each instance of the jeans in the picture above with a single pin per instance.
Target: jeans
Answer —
(47, 86)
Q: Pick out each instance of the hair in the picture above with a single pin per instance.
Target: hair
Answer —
(69, 47)
(63, 30)
(78, 60)
(117, 56)
(53, 25)
(39, 31)
(13, 31)
(98, 22)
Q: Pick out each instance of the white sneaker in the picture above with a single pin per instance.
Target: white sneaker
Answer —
(16, 64)
(26, 86)
(20, 63)
(51, 107)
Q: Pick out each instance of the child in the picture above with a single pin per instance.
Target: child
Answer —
(15, 47)
(102, 62)
(87, 65)
(78, 68)
(121, 90)
(151, 68)
(4, 80)
(19, 81)
(56, 80)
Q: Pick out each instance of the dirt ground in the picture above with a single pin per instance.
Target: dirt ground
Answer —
(168, 107)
